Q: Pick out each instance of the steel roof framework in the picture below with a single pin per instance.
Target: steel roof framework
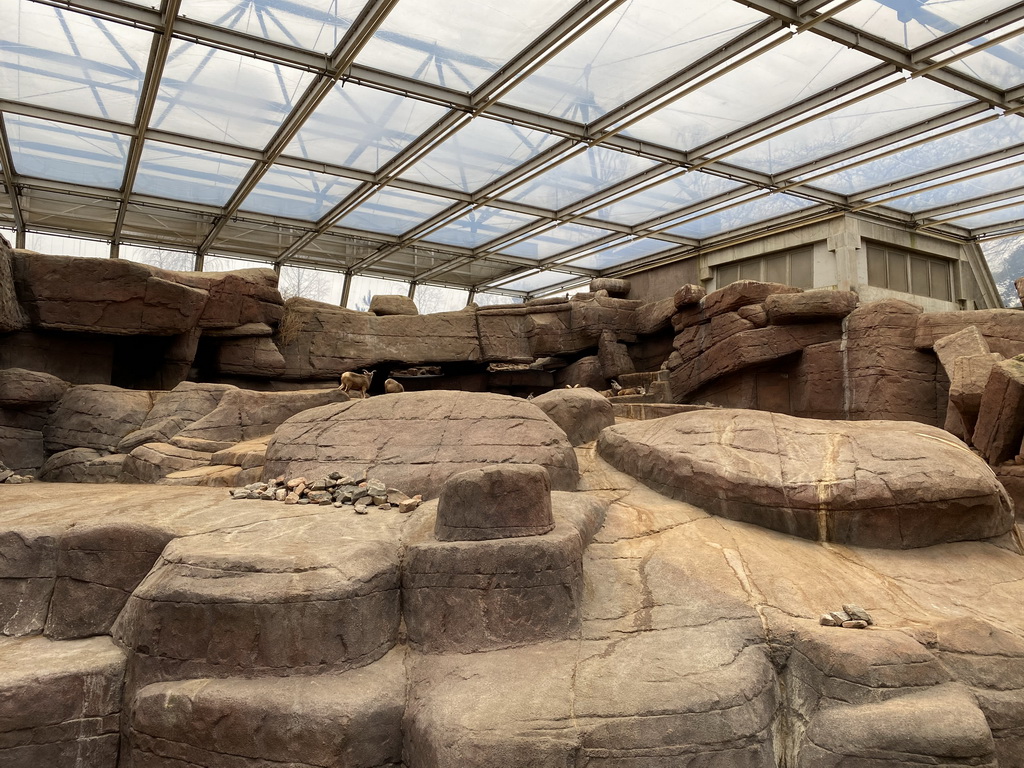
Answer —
(600, 136)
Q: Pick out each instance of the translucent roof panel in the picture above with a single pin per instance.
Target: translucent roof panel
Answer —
(316, 26)
(480, 226)
(1001, 65)
(536, 281)
(635, 47)
(902, 105)
(585, 174)
(66, 153)
(554, 241)
(478, 154)
(219, 95)
(70, 61)
(961, 192)
(911, 23)
(621, 254)
(992, 218)
(751, 212)
(458, 44)
(297, 194)
(394, 211)
(680, 192)
(360, 127)
(998, 134)
(797, 69)
(182, 173)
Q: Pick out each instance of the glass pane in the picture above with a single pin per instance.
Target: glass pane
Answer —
(219, 95)
(478, 154)
(535, 281)
(313, 284)
(578, 177)
(919, 276)
(459, 44)
(227, 264)
(66, 152)
(1001, 65)
(627, 52)
(364, 288)
(750, 269)
(394, 211)
(916, 22)
(69, 61)
(297, 194)
(775, 269)
(726, 274)
(316, 26)
(179, 261)
(991, 219)
(554, 241)
(897, 272)
(998, 134)
(621, 254)
(767, 207)
(433, 298)
(680, 192)
(902, 105)
(801, 269)
(360, 127)
(62, 245)
(960, 193)
(877, 272)
(940, 273)
(182, 173)
(480, 226)
(491, 299)
(796, 70)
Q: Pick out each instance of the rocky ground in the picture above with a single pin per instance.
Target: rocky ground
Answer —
(264, 634)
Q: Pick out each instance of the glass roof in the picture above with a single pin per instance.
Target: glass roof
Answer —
(452, 143)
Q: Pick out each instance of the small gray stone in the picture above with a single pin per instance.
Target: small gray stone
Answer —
(335, 475)
(362, 509)
(302, 501)
(839, 617)
(6, 474)
(385, 507)
(857, 613)
(240, 493)
(280, 494)
(319, 485)
(379, 500)
(855, 625)
(826, 620)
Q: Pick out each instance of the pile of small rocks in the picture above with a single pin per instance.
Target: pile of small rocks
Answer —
(8, 476)
(851, 617)
(359, 493)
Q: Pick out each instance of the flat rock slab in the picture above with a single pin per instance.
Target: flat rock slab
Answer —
(60, 702)
(879, 484)
(417, 440)
(306, 594)
(352, 719)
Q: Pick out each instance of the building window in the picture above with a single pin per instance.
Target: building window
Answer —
(910, 272)
(794, 268)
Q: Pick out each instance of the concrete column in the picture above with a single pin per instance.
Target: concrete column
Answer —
(851, 261)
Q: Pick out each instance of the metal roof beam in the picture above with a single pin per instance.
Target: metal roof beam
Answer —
(7, 160)
(973, 31)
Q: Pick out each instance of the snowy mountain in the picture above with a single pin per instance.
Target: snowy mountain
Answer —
(1006, 260)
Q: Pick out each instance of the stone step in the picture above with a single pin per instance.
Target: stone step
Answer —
(60, 702)
(351, 719)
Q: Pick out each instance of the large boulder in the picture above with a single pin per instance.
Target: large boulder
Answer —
(173, 411)
(96, 416)
(21, 449)
(417, 440)
(12, 318)
(878, 484)
(581, 412)
(82, 465)
(392, 304)
(1000, 427)
(22, 389)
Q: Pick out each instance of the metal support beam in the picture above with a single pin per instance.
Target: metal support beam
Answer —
(7, 160)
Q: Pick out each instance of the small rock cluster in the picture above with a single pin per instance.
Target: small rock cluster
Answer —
(11, 478)
(359, 493)
(851, 617)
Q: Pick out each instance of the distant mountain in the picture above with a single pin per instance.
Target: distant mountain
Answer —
(1006, 260)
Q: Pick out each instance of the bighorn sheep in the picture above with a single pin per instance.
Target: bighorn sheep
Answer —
(392, 387)
(358, 382)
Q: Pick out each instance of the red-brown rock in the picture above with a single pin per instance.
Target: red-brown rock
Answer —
(1000, 426)
(809, 306)
(581, 412)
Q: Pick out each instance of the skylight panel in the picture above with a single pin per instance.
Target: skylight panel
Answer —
(480, 226)
(297, 193)
(947, 150)
(906, 104)
(394, 211)
(760, 209)
(992, 218)
(578, 177)
(680, 192)
(360, 127)
(554, 241)
(223, 96)
(536, 281)
(630, 50)
(911, 23)
(478, 154)
(61, 152)
(960, 193)
(457, 44)
(621, 254)
(799, 68)
(999, 65)
(315, 26)
(68, 61)
(183, 173)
